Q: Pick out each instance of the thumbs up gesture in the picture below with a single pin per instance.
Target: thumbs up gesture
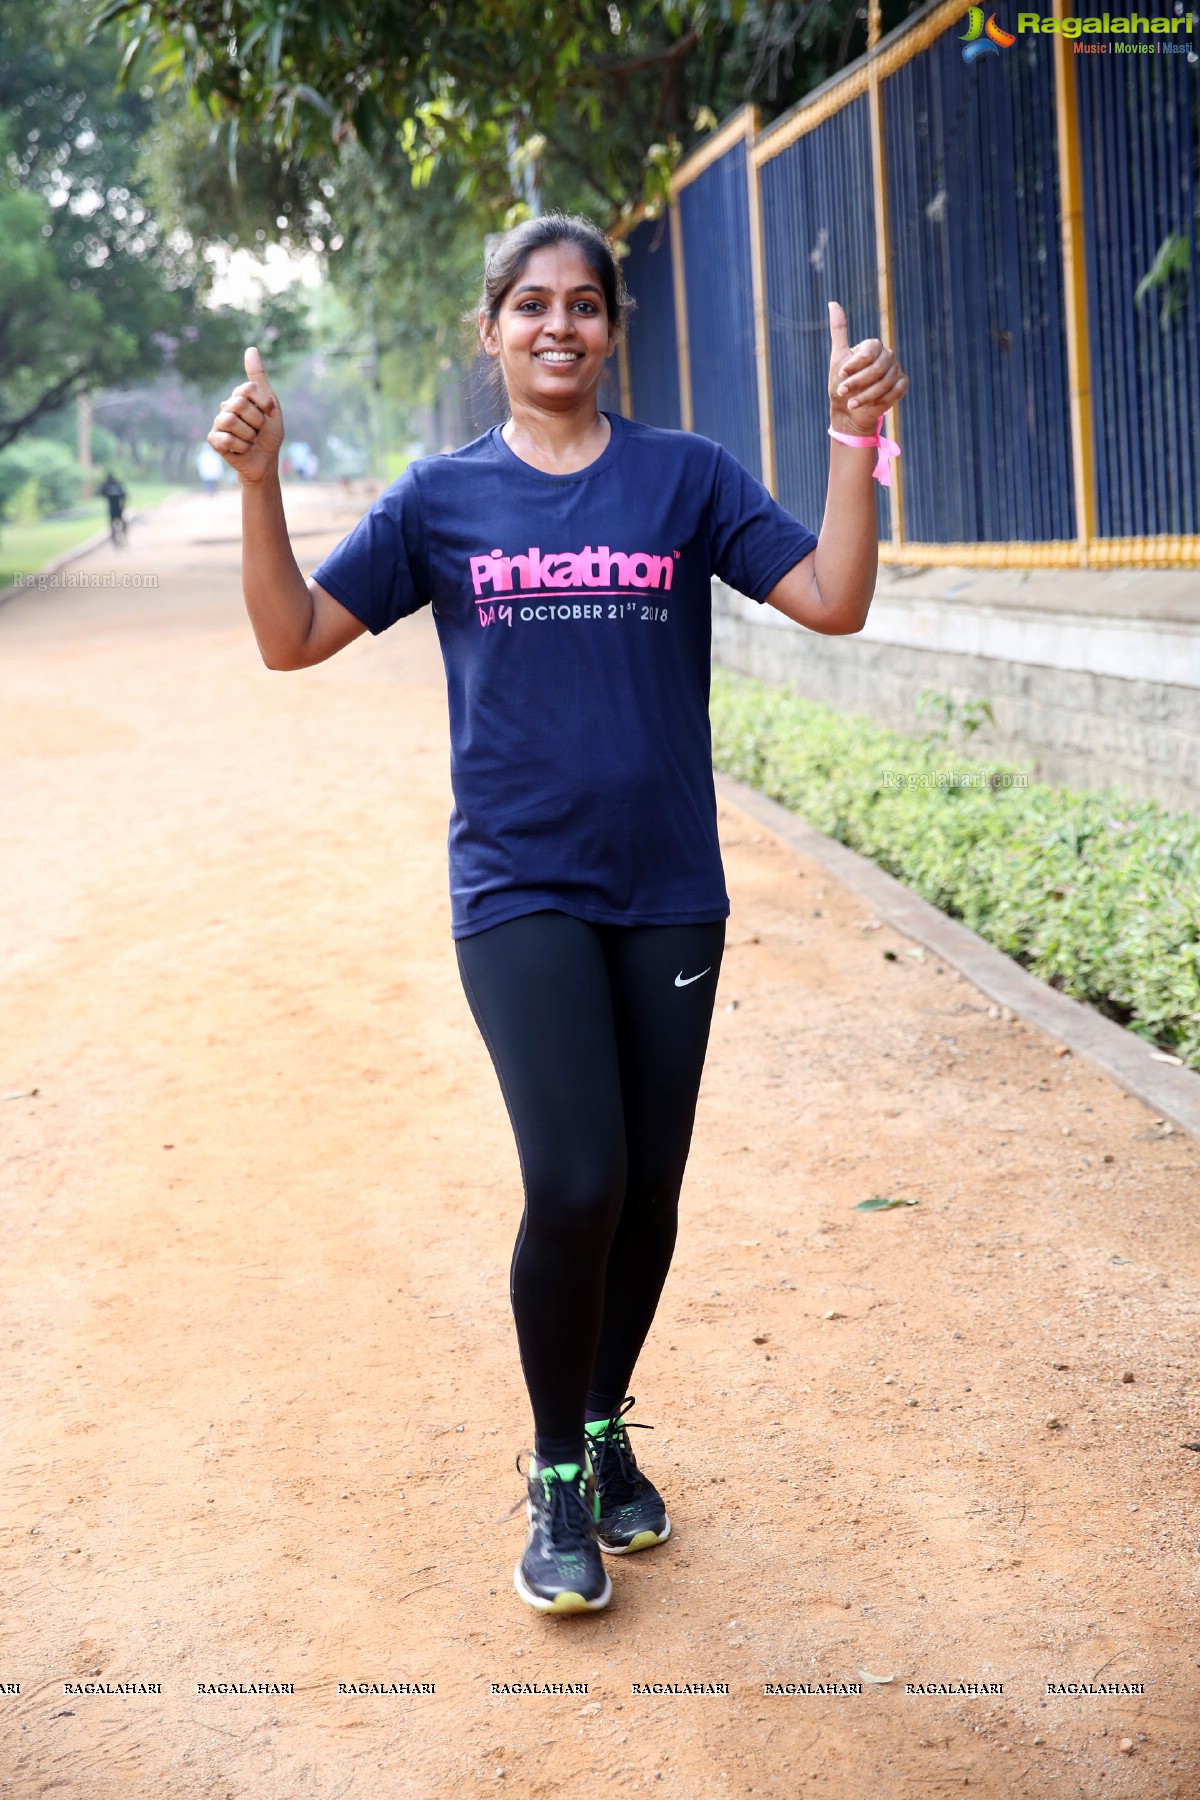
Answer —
(248, 429)
(865, 380)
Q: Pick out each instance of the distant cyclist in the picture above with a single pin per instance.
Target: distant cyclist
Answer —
(114, 493)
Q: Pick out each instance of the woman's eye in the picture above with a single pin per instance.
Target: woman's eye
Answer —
(587, 306)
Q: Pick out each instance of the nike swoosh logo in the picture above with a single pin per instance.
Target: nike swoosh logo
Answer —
(680, 982)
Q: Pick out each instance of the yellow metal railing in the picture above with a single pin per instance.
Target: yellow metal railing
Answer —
(867, 76)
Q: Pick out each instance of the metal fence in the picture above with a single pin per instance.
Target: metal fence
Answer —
(650, 352)
(995, 220)
(821, 176)
(714, 226)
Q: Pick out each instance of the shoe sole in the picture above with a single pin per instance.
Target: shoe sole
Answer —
(562, 1603)
(641, 1540)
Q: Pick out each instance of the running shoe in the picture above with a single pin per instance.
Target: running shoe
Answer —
(632, 1514)
(561, 1570)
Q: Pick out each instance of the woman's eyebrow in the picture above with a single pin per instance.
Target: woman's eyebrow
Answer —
(534, 287)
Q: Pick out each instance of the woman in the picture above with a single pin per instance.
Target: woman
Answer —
(568, 558)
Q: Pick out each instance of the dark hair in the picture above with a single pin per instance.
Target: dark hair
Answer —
(507, 260)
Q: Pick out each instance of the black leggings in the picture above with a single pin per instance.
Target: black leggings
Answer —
(598, 1035)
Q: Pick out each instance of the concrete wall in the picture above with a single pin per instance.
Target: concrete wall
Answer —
(1048, 653)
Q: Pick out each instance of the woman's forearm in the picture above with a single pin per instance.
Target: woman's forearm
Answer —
(276, 593)
(847, 554)
(865, 381)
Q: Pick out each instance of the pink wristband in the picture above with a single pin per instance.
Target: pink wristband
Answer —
(886, 446)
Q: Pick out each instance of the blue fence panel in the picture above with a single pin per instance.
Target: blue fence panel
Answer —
(819, 245)
(715, 214)
(978, 294)
(653, 344)
(1139, 131)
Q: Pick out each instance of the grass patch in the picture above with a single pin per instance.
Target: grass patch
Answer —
(1096, 893)
(24, 549)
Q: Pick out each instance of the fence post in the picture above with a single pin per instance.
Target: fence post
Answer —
(624, 379)
(681, 320)
(1074, 264)
(758, 288)
(883, 266)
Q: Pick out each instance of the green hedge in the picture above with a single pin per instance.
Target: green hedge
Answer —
(1096, 893)
(37, 477)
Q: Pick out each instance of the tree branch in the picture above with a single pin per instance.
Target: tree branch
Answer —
(63, 390)
(633, 65)
(577, 162)
(847, 35)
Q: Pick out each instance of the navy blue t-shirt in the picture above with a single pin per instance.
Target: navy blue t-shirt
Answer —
(575, 619)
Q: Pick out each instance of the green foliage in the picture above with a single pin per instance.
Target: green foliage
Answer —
(390, 137)
(408, 266)
(609, 93)
(468, 80)
(1171, 273)
(37, 476)
(1096, 893)
(196, 198)
(25, 506)
(50, 328)
(209, 348)
(967, 716)
(100, 286)
(63, 428)
(85, 279)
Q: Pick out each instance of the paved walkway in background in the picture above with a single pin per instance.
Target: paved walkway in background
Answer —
(928, 1468)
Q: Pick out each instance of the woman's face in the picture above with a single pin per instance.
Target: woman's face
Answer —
(552, 333)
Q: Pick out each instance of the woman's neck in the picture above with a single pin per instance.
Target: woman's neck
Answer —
(557, 443)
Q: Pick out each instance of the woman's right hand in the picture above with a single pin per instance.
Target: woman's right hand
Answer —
(248, 430)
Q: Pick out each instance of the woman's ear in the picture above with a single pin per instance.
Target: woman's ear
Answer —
(489, 337)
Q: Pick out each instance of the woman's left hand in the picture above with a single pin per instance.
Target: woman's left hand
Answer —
(865, 381)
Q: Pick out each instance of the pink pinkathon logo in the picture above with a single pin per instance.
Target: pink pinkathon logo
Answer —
(984, 40)
(601, 570)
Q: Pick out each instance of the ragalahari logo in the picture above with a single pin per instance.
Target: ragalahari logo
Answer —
(984, 40)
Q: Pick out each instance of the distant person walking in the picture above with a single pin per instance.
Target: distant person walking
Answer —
(210, 467)
(114, 493)
(304, 461)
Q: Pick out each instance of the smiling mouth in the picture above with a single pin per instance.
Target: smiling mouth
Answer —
(558, 358)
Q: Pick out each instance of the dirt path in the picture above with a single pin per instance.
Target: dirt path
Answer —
(263, 1396)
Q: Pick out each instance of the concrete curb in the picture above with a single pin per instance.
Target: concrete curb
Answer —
(1173, 1093)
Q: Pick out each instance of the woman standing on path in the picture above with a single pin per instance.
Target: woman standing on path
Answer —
(568, 558)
